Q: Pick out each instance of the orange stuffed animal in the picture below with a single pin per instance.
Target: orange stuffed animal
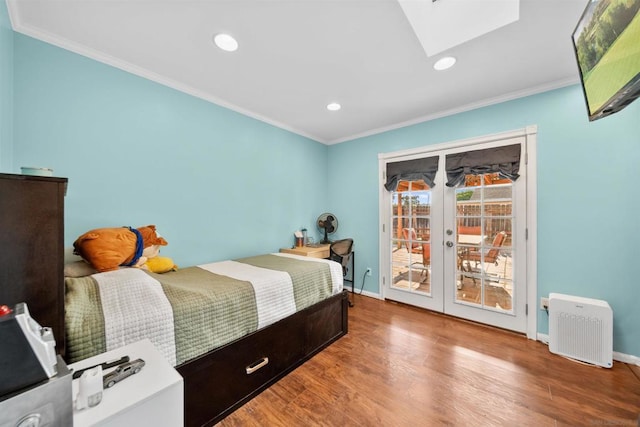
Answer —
(108, 248)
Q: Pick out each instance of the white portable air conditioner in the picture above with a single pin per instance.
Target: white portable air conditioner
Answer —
(581, 329)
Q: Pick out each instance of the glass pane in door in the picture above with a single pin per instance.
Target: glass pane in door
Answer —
(410, 243)
(484, 220)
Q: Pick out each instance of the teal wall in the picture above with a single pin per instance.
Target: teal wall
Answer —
(217, 184)
(221, 185)
(588, 196)
(6, 88)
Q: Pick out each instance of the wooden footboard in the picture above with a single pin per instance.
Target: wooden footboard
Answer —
(219, 382)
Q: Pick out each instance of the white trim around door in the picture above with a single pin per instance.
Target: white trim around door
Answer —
(528, 167)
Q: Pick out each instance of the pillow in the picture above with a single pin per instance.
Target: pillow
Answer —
(78, 269)
(160, 264)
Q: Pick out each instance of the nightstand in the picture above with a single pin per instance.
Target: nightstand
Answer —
(152, 397)
(321, 251)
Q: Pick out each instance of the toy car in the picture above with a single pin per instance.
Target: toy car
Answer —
(121, 372)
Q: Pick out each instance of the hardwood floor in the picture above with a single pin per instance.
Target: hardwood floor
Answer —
(403, 366)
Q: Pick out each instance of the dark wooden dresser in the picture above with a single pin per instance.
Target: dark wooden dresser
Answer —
(32, 248)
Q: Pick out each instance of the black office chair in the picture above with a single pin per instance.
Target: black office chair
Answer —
(340, 251)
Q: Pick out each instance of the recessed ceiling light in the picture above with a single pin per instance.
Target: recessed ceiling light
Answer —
(226, 42)
(334, 106)
(444, 63)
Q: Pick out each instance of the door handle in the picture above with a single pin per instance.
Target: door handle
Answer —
(449, 244)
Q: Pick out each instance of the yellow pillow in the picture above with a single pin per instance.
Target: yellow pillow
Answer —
(160, 264)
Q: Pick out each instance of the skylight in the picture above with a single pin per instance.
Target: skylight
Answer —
(443, 24)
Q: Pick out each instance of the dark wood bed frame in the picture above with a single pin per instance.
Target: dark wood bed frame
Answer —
(216, 383)
(219, 382)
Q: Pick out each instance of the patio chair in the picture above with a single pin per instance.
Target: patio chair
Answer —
(426, 257)
(415, 246)
(411, 241)
(470, 229)
(490, 256)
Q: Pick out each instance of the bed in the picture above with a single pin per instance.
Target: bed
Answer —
(32, 258)
(230, 328)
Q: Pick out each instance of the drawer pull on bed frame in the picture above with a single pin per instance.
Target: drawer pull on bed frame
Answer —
(257, 365)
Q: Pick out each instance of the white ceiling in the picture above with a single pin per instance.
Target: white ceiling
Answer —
(296, 56)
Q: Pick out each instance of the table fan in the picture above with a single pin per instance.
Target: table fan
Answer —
(328, 223)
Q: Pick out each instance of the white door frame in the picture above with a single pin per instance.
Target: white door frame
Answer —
(529, 161)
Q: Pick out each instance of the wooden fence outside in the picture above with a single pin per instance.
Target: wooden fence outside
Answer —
(498, 216)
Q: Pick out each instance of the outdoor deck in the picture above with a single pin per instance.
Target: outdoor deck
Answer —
(498, 286)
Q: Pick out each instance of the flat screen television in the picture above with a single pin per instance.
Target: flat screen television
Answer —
(607, 46)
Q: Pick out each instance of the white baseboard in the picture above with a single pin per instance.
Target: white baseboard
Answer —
(626, 358)
(364, 293)
(620, 357)
(543, 338)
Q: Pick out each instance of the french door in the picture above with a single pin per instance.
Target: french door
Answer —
(460, 250)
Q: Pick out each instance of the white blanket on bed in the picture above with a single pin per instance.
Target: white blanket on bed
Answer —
(273, 289)
(135, 307)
